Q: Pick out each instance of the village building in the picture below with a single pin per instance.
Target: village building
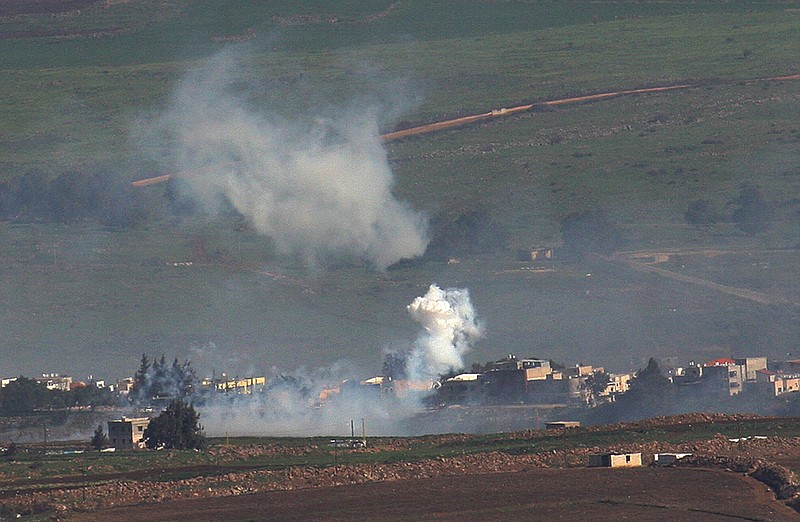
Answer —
(751, 365)
(541, 256)
(371, 388)
(124, 386)
(558, 425)
(581, 370)
(402, 388)
(465, 388)
(615, 460)
(775, 384)
(54, 381)
(618, 383)
(668, 459)
(127, 433)
(723, 378)
(238, 386)
(532, 381)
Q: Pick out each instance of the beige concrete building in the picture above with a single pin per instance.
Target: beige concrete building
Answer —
(125, 433)
(615, 460)
(775, 384)
(54, 381)
(751, 365)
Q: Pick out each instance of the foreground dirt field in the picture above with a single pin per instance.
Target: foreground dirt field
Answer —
(749, 477)
(645, 494)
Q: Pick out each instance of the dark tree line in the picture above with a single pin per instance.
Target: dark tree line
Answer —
(159, 379)
(24, 396)
(473, 232)
(752, 213)
(590, 232)
(71, 197)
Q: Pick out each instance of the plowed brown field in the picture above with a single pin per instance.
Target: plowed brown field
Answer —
(643, 494)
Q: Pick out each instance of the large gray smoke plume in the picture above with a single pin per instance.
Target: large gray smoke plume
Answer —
(450, 326)
(318, 184)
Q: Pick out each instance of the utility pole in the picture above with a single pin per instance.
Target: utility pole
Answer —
(364, 432)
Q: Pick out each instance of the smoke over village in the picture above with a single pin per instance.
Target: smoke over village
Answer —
(279, 250)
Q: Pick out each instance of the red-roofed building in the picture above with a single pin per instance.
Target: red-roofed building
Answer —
(722, 361)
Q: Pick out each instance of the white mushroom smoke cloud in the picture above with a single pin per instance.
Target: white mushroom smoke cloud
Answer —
(318, 184)
(450, 327)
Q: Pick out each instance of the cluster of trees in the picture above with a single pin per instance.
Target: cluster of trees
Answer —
(473, 232)
(394, 366)
(752, 214)
(70, 197)
(159, 380)
(177, 427)
(24, 396)
(588, 232)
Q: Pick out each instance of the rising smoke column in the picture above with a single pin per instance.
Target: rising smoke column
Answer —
(450, 326)
(318, 184)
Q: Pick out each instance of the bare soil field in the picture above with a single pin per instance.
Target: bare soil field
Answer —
(646, 494)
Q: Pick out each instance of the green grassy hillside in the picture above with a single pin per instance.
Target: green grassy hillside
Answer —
(76, 84)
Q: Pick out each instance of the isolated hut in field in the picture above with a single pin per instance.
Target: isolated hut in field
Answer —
(556, 425)
(668, 459)
(615, 460)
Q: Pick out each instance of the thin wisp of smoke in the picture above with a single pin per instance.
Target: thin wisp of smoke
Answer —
(319, 185)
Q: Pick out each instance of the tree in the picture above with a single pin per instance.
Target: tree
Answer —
(99, 439)
(596, 384)
(701, 212)
(473, 232)
(650, 394)
(159, 379)
(23, 396)
(589, 232)
(89, 395)
(141, 384)
(394, 366)
(650, 391)
(178, 427)
(754, 214)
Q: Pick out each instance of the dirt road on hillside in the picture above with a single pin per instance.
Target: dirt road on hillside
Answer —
(759, 297)
(499, 113)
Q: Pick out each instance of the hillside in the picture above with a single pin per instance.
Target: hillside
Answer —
(87, 87)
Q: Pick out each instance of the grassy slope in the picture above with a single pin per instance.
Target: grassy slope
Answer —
(68, 103)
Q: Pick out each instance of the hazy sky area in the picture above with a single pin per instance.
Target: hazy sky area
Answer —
(293, 237)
